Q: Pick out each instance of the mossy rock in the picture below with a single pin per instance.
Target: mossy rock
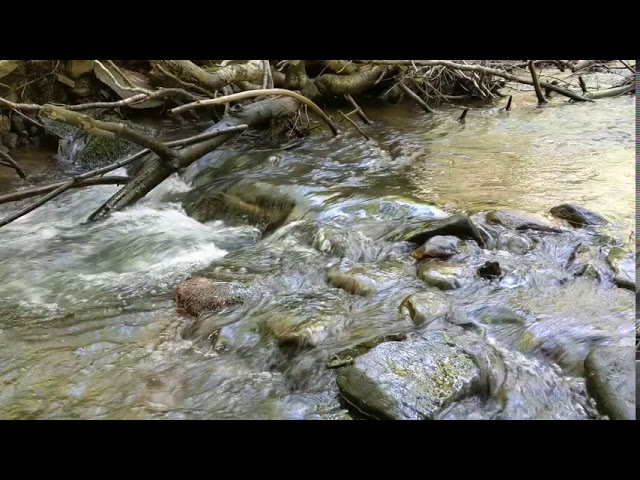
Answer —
(410, 380)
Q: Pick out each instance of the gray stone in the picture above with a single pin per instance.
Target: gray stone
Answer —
(440, 246)
(442, 276)
(409, 380)
(419, 231)
(577, 215)
(624, 266)
(610, 373)
(427, 306)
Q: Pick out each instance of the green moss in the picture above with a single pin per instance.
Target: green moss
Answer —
(101, 150)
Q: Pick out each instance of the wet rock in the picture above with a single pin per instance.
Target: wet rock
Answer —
(419, 231)
(18, 125)
(514, 243)
(366, 279)
(100, 150)
(519, 221)
(582, 262)
(409, 380)
(256, 203)
(624, 266)
(490, 270)
(199, 294)
(427, 306)
(348, 355)
(577, 215)
(10, 140)
(442, 276)
(297, 322)
(5, 124)
(438, 247)
(499, 316)
(347, 243)
(610, 374)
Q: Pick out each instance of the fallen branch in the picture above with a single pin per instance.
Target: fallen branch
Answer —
(508, 107)
(536, 83)
(154, 171)
(11, 163)
(464, 115)
(267, 80)
(612, 92)
(583, 85)
(354, 124)
(34, 192)
(358, 110)
(257, 93)
(416, 98)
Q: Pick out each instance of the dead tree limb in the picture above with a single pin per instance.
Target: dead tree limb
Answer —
(354, 124)
(267, 80)
(536, 83)
(89, 182)
(416, 98)
(462, 117)
(508, 107)
(154, 171)
(631, 69)
(358, 110)
(11, 163)
(257, 93)
(612, 92)
(583, 85)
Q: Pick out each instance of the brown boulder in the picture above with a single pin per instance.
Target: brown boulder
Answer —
(200, 294)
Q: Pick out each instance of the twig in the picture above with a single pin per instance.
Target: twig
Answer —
(358, 110)
(354, 124)
(508, 107)
(463, 116)
(121, 73)
(629, 67)
(583, 85)
(416, 98)
(10, 162)
(536, 83)
(491, 71)
(257, 93)
(267, 79)
(33, 192)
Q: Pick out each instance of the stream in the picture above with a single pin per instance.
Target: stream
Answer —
(89, 328)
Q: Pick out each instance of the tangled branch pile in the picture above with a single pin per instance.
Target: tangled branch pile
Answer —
(237, 95)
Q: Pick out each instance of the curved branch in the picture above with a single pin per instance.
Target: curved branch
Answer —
(258, 93)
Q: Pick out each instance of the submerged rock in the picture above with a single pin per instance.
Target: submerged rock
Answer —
(419, 231)
(623, 263)
(438, 247)
(577, 215)
(427, 306)
(490, 270)
(519, 221)
(514, 243)
(499, 316)
(610, 374)
(409, 380)
(256, 203)
(365, 280)
(348, 355)
(199, 294)
(583, 262)
(442, 275)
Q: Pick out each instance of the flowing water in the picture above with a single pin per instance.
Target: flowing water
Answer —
(89, 329)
